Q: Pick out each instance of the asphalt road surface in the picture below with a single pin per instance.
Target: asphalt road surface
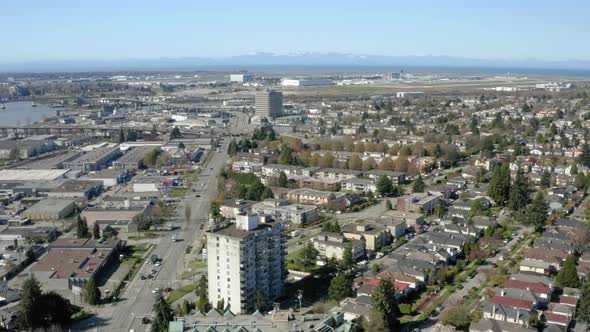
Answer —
(138, 297)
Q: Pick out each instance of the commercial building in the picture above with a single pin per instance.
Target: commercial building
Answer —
(94, 160)
(269, 104)
(245, 257)
(108, 177)
(77, 189)
(413, 94)
(132, 159)
(32, 174)
(305, 82)
(241, 78)
(50, 209)
(281, 210)
(69, 263)
(25, 148)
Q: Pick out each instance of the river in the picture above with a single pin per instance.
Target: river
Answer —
(22, 113)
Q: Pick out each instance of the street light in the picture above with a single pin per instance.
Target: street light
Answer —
(300, 298)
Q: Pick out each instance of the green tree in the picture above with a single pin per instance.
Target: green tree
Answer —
(260, 300)
(215, 210)
(385, 305)
(568, 275)
(476, 209)
(286, 155)
(375, 268)
(266, 194)
(517, 150)
(203, 304)
(175, 132)
(574, 169)
(519, 192)
(340, 287)
(585, 155)
(499, 189)
(487, 147)
(29, 310)
(347, 261)
(583, 313)
(331, 226)
(162, 313)
(283, 181)
(437, 151)
(232, 148)
(534, 319)
(489, 231)
(307, 258)
(221, 304)
(96, 231)
(405, 308)
(536, 213)
(384, 186)
(272, 136)
(56, 311)
(545, 180)
(82, 228)
(418, 186)
(91, 292)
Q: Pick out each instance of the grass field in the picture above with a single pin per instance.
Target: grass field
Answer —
(180, 292)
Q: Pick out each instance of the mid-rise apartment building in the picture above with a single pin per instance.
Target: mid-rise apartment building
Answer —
(245, 257)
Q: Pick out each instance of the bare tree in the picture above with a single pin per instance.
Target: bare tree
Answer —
(581, 238)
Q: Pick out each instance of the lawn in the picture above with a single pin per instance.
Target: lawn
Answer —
(190, 176)
(196, 264)
(180, 292)
(178, 192)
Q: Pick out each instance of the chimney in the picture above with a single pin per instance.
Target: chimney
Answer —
(517, 315)
(502, 292)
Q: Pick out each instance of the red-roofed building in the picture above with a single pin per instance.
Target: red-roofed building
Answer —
(516, 303)
(557, 319)
(569, 300)
(540, 289)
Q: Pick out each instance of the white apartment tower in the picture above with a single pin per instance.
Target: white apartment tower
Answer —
(244, 257)
(269, 104)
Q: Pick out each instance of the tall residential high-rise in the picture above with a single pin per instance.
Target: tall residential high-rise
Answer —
(269, 104)
(245, 257)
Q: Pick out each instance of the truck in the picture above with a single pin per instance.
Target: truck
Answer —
(296, 233)
(175, 238)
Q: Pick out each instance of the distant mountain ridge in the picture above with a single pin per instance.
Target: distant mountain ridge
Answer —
(296, 59)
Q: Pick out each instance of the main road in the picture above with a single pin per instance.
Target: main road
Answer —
(137, 300)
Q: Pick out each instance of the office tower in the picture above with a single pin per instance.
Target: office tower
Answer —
(269, 104)
(245, 257)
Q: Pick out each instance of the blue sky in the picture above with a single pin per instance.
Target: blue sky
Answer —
(40, 30)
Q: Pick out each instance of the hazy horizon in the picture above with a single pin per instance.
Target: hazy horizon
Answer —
(110, 30)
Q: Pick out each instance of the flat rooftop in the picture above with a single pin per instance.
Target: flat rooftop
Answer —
(135, 154)
(50, 205)
(66, 263)
(32, 174)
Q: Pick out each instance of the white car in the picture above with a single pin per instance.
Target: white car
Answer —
(158, 263)
(155, 290)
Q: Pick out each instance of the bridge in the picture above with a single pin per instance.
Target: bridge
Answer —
(140, 102)
(70, 130)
